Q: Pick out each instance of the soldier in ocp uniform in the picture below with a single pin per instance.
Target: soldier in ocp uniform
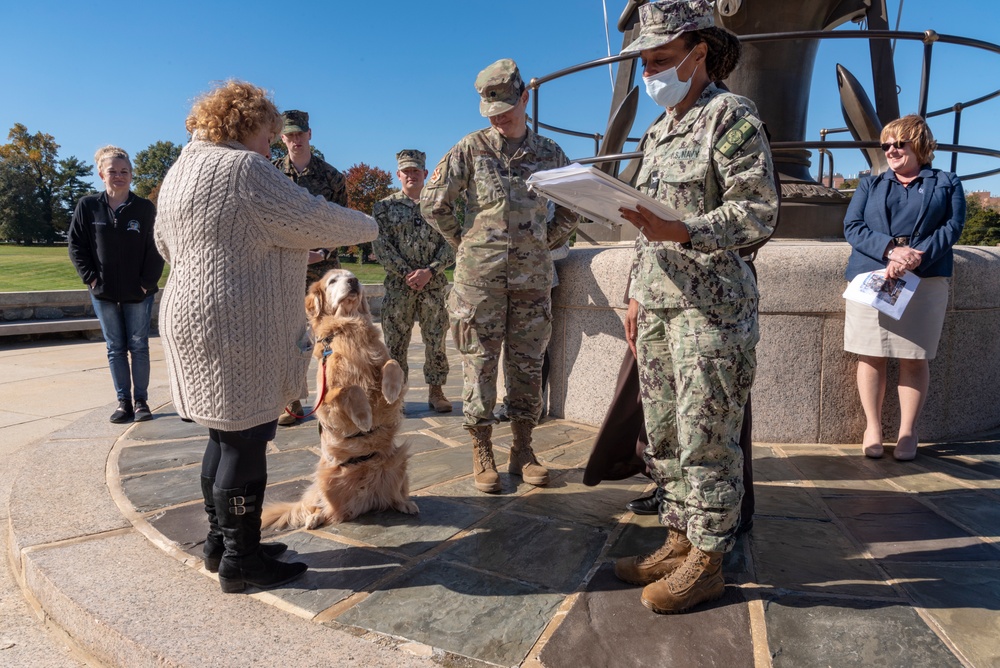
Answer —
(321, 179)
(415, 256)
(692, 315)
(503, 272)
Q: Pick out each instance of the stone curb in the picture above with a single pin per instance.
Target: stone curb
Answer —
(120, 600)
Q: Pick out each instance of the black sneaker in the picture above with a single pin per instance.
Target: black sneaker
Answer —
(123, 413)
(142, 412)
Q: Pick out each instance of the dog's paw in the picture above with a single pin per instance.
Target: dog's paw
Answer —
(408, 506)
(315, 520)
(357, 408)
(392, 381)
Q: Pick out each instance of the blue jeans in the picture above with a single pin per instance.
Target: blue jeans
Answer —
(126, 331)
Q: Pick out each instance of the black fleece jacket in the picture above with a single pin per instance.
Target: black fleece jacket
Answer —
(116, 248)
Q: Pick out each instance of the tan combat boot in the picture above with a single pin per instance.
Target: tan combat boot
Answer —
(698, 580)
(436, 399)
(484, 469)
(522, 458)
(648, 568)
(288, 416)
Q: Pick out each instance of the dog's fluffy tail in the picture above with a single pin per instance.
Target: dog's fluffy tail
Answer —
(285, 515)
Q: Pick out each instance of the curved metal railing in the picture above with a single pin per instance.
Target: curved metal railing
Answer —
(929, 39)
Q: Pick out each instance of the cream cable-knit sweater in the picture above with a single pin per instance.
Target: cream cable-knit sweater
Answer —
(236, 233)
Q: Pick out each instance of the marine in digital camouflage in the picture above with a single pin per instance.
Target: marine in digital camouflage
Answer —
(508, 230)
(405, 243)
(321, 179)
(483, 321)
(698, 308)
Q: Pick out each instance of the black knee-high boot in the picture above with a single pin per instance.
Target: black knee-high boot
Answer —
(213, 548)
(243, 562)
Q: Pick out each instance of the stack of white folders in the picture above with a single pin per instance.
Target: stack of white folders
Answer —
(594, 194)
(888, 296)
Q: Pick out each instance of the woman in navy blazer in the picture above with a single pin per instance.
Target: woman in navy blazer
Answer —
(906, 219)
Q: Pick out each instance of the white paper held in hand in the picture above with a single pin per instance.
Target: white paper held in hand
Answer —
(594, 194)
(888, 296)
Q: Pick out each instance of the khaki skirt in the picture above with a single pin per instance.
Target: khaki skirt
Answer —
(868, 331)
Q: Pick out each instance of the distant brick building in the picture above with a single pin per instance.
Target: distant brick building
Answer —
(986, 199)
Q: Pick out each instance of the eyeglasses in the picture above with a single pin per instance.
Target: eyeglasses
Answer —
(898, 145)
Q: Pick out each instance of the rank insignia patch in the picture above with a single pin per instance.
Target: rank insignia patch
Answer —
(734, 139)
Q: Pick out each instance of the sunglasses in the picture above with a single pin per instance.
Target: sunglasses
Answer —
(894, 144)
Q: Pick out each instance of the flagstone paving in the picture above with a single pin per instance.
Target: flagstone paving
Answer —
(850, 562)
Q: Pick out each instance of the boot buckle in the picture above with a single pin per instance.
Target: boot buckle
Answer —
(238, 504)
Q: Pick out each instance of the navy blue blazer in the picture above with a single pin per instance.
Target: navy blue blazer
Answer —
(938, 227)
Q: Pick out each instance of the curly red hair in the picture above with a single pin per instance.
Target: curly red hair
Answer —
(233, 111)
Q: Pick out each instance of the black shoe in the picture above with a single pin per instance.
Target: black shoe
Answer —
(124, 412)
(244, 562)
(213, 549)
(142, 412)
(647, 505)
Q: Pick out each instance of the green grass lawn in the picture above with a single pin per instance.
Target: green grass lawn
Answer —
(30, 268)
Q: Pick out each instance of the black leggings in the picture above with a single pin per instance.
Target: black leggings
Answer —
(235, 458)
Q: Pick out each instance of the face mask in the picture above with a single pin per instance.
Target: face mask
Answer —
(665, 88)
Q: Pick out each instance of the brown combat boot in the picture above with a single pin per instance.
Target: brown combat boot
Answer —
(288, 416)
(436, 399)
(484, 469)
(648, 568)
(522, 459)
(698, 580)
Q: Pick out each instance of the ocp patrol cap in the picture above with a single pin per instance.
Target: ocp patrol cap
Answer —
(500, 87)
(664, 21)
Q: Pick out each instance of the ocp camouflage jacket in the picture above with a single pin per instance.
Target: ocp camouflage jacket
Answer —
(508, 230)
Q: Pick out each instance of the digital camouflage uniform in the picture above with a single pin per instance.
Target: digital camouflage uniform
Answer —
(698, 308)
(322, 179)
(406, 243)
(503, 269)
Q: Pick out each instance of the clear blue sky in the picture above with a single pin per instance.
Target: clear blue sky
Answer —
(380, 76)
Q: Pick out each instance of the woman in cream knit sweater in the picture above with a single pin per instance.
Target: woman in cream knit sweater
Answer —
(237, 235)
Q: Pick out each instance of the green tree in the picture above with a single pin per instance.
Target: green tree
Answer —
(151, 165)
(29, 162)
(982, 226)
(20, 211)
(71, 185)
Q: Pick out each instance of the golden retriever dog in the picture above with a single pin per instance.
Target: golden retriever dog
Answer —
(361, 467)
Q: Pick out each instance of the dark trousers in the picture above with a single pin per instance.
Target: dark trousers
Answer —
(235, 458)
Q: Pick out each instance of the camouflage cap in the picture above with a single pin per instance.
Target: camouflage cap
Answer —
(500, 85)
(295, 121)
(410, 157)
(663, 21)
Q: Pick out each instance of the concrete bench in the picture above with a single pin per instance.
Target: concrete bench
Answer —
(23, 327)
